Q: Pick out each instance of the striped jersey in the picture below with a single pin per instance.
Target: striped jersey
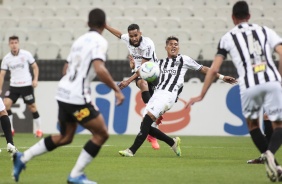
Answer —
(74, 87)
(145, 50)
(173, 71)
(251, 47)
(19, 68)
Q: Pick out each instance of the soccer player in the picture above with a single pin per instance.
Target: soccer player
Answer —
(21, 82)
(85, 61)
(141, 49)
(250, 47)
(165, 95)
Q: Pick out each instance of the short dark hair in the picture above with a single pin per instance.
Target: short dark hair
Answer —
(96, 18)
(132, 27)
(171, 38)
(241, 10)
(14, 37)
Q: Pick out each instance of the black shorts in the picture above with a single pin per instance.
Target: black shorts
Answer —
(26, 92)
(70, 113)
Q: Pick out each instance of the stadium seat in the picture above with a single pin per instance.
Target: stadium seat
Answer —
(65, 50)
(43, 11)
(204, 12)
(160, 50)
(35, 3)
(215, 24)
(201, 35)
(48, 50)
(217, 3)
(29, 46)
(146, 22)
(4, 49)
(157, 35)
(168, 23)
(190, 3)
(181, 34)
(126, 2)
(271, 11)
(56, 3)
(157, 11)
(102, 3)
(257, 12)
(5, 11)
(180, 11)
(224, 11)
(278, 3)
(38, 36)
(121, 23)
(209, 50)
(264, 22)
(262, 2)
(79, 3)
(150, 3)
(21, 12)
(191, 23)
(75, 22)
(13, 3)
(218, 34)
(83, 11)
(31, 23)
(112, 11)
(6, 23)
(21, 33)
(135, 11)
(278, 25)
(65, 11)
(117, 51)
(61, 36)
(52, 23)
(192, 49)
(80, 31)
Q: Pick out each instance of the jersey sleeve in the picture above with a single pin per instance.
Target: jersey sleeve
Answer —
(223, 47)
(4, 65)
(273, 37)
(191, 63)
(149, 51)
(99, 51)
(30, 58)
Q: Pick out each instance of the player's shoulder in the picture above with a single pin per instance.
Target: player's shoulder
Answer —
(24, 52)
(185, 57)
(146, 41)
(8, 55)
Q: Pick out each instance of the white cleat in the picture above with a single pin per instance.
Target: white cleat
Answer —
(176, 147)
(126, 153)
(270, 166)
(11, 148)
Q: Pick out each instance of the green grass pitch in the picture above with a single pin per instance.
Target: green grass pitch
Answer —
(204, 160)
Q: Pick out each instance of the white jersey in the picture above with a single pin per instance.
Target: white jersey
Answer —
(145, 50)
(250, 47)
(173, 71)
(74, 87)
(19, 68)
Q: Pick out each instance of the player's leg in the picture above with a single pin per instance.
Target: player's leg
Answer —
(95, 123)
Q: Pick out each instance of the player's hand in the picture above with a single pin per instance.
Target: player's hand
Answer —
(193, 100)
(34, 84)
(123, 84)
(131, 62)
(230, 80)
(119, 97)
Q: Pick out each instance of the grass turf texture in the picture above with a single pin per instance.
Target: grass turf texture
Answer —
(204, 160)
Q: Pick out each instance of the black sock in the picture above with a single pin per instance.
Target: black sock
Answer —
(50, 146)
(92, 148)
(146, 96)
(268, 130)
(144, 131)
(6, 126)
(276, 140)
(259, 140)
(161, 136)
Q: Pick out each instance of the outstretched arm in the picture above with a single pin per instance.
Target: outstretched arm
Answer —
(211, 75)
(227, 79)
(35, 74)
(114, 31)
(124, 84)
(278, 49)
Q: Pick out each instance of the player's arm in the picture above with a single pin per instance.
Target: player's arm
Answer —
(2, 76)
(278, 49)
(35, 70)
(114, 31)
(226, 79)
(64, 71)
(106, 77)
(210, 76)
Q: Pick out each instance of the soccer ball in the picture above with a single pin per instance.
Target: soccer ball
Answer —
(149, 71)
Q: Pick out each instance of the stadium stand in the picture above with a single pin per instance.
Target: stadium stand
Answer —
(21, 33)
(48, 50)
(30, 46)
(157, 11)
(38, 35)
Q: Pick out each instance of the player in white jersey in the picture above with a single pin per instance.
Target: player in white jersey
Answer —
(85, 61)
(250, 47)
(21, 83)
(141, 49)
(171, 81)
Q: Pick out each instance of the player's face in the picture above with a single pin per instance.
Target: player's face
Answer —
(134, 36)
(14, 46)
(172, 48)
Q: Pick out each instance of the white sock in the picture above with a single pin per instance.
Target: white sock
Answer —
(83, 160)
(37, 123)
(11, 121)
(37, 149)
(154, 124)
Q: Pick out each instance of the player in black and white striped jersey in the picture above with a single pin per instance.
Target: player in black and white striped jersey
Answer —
(171, 81)
(141, 49)
(250, 47)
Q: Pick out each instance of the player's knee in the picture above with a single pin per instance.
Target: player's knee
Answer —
(32, 107)
(143, 85)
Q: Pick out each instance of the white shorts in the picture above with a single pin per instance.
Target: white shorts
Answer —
(160, 102)
(2, 106)
(267, 96)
